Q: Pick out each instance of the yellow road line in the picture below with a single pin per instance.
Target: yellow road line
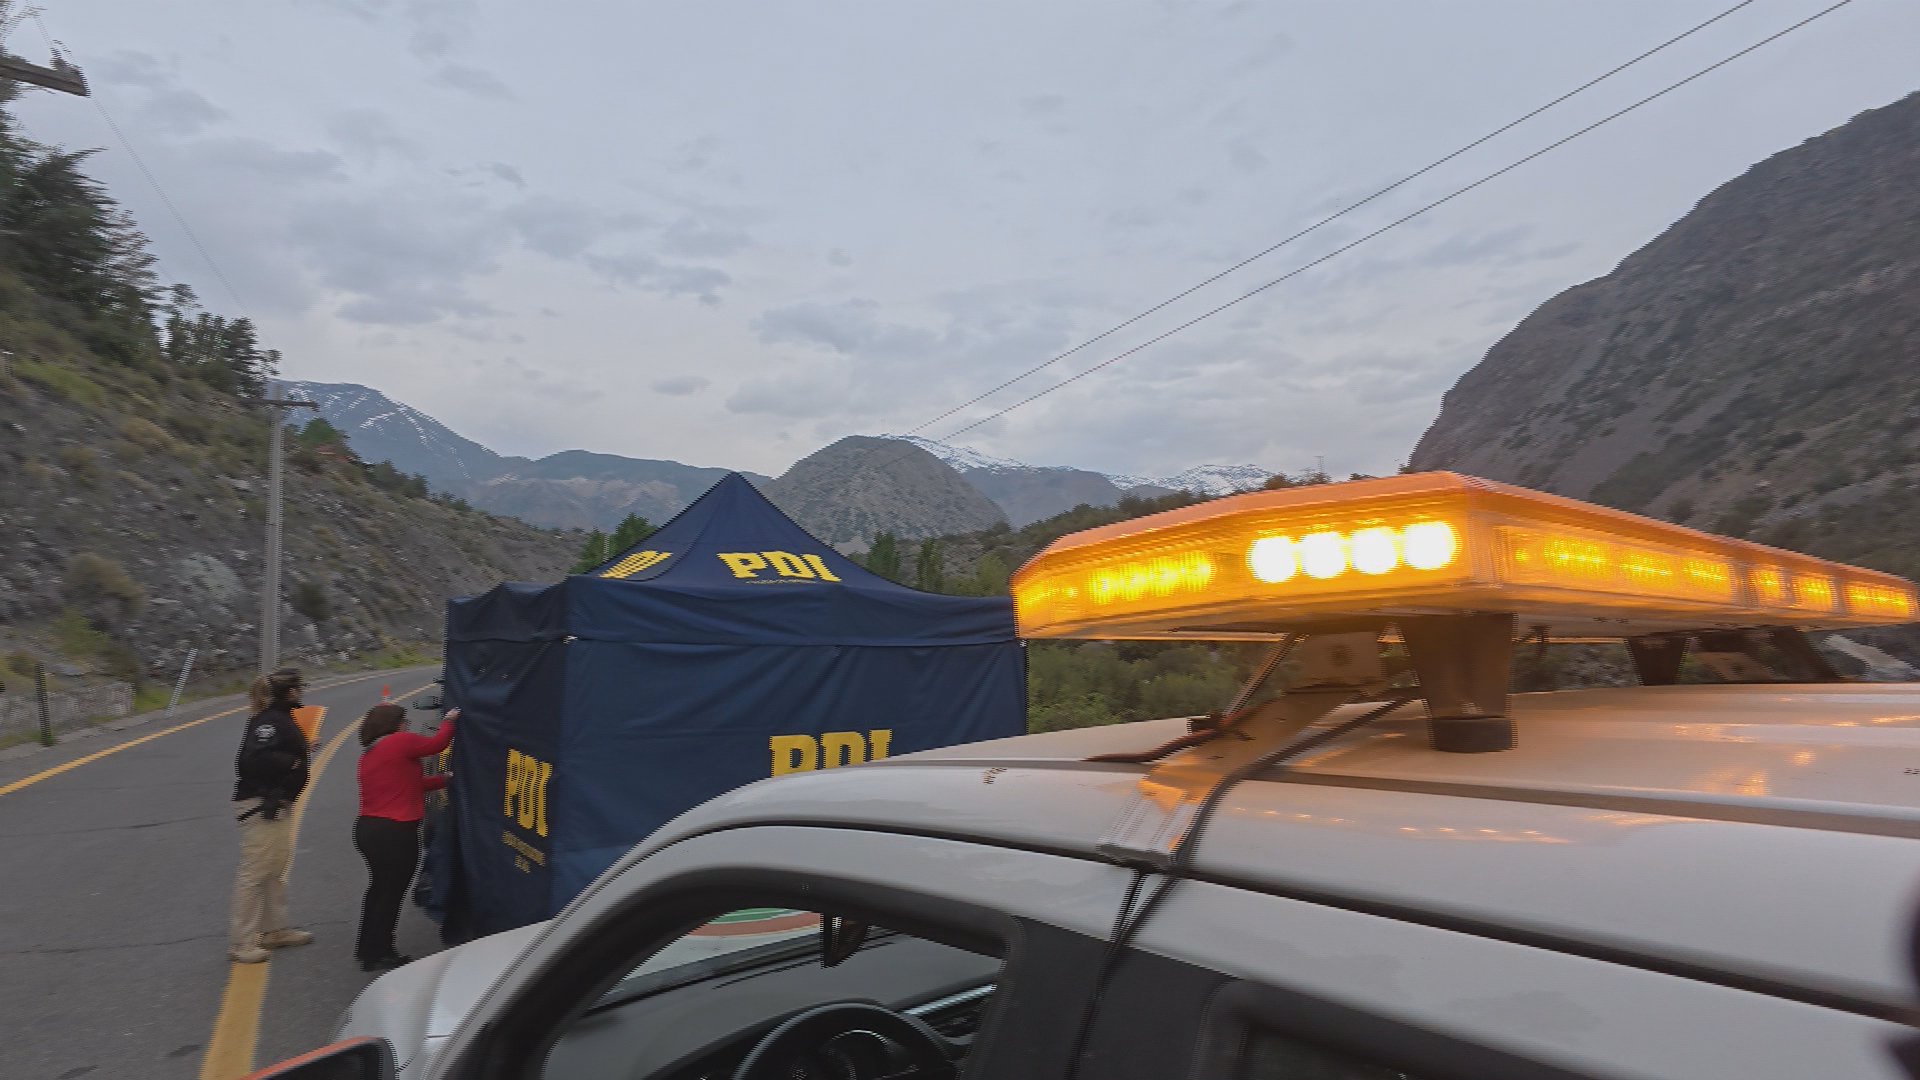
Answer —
(77, 762)
(236, 1030)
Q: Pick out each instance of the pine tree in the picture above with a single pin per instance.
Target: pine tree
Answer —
(930, 569)
(594, 553)
(631, 530)
(320, 433)
(883, 557)
(990, 575)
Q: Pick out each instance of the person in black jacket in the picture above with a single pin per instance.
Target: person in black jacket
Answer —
(271, 772)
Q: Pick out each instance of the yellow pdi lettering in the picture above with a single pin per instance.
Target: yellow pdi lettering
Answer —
(805, 753)
(842, 748)
(743, 563)
(526, 801)
(636, 562)
(820, 567)
(788, 564)
(794, 753)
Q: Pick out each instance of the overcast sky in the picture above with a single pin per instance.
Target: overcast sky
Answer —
(728, 233)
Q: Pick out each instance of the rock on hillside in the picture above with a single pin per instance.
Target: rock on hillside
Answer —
(850, 491)
(1754, 370)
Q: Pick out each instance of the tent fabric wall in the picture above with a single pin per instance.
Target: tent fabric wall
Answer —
(729, 646)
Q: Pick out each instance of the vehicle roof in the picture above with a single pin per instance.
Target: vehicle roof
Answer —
(1765, 830)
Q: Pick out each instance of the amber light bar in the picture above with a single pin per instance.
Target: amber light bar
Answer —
(1425, 544)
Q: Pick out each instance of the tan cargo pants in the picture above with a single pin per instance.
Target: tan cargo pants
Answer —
(260, 890)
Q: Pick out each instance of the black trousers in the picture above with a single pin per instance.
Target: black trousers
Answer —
(392, 851)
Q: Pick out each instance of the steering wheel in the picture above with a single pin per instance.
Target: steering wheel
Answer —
(849, 1040)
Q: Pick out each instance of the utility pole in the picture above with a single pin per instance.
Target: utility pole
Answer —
(270, 587)
(61, 75)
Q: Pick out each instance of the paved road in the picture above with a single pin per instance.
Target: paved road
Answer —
(113, 903)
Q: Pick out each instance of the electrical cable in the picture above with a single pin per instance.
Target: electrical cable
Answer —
(1397, 222)
(1342, 212)
(165, 200)
(1129, 919)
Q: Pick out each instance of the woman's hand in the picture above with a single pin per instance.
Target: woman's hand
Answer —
(452, 714)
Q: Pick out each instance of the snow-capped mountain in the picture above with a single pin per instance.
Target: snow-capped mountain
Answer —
(1031, 492)
(1203, 479)
(382, 429)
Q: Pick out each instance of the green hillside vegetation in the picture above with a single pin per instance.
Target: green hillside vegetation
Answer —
(1074, 684)
(134, 449)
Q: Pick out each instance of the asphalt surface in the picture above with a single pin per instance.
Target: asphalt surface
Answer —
(118, 878)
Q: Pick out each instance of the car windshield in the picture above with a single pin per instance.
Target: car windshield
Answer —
(736, 941)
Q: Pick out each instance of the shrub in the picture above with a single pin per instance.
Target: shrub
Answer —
(146, 434)
(83, 462)
(311, 600)
(102, 589)
(22, 665)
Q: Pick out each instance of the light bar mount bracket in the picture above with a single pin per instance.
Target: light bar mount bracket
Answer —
(1334, 670)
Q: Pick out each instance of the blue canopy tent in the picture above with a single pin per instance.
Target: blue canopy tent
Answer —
(727, 647)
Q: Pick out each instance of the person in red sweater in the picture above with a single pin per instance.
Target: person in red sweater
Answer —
(393, 799)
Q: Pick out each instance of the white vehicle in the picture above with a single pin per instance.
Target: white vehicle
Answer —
(1351, 878)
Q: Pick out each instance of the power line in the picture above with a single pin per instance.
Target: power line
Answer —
(1397, 222)
(1338, 214)
(165, 199)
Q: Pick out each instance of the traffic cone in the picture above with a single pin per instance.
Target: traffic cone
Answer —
(386, 693)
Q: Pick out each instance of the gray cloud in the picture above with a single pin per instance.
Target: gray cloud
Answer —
(680, 385)
(508, 173)
(166, 108)
(370, 134)
(259, 161)
(557, 386)
(473, 80)
(644, 271)
(439, 26)
(404, 262)
(1268, 52)
(794, 395)
(562, 229)
(850, 327)
(695, 239)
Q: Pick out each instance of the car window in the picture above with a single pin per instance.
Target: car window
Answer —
(699, 1006)
(1269, 1055)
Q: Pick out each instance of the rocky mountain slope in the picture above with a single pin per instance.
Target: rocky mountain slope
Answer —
(848, 492)
(1755, 370)
(134, 518)
(573, 489)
